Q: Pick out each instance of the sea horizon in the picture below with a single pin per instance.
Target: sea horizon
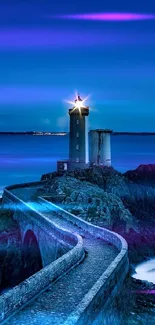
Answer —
(27, 158)
(67, 132)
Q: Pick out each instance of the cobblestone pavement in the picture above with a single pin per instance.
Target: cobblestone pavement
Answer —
(54, 305)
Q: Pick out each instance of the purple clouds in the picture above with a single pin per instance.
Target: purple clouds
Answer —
(108, 16)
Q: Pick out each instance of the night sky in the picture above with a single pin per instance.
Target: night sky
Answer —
(51, 49)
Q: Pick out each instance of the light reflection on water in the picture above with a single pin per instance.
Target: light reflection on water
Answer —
(145, 271)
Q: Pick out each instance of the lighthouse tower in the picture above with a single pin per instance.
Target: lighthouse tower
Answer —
(78, 136)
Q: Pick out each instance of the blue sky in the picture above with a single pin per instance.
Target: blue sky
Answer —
(44, 60)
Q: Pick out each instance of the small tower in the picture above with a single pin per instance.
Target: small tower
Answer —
(100, 147)
(78, 136)
(106, 147)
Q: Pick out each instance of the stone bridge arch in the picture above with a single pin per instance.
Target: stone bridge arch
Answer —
(49, 244)
(31, 254)
(26, 224)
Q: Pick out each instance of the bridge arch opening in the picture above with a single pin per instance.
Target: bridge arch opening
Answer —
(31, 256)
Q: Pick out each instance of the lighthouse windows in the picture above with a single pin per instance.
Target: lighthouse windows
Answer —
(77, 147)
(77, 121)
(77, 160)
(77, 134)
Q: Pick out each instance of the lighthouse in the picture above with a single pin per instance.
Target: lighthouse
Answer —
(80, 156)
(78, 135)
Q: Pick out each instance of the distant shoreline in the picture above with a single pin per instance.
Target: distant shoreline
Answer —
(133, 133)
(66, 133)
(33, 133)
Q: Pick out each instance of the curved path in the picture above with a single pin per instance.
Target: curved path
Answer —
(55, 304)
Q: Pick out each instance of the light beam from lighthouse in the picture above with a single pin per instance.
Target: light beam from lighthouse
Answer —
(78, 136)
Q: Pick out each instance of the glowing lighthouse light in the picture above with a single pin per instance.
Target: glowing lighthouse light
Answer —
(78, 103)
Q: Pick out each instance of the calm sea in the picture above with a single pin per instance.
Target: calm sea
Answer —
(25, 158)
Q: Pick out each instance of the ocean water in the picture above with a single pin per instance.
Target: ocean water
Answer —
(25, 158)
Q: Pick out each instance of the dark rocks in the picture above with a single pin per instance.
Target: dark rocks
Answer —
(103, 177)
(88, 200)
(144, 174)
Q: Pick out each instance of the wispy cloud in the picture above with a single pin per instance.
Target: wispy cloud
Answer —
(108, 16)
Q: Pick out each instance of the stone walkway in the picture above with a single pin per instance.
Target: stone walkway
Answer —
(55, 304)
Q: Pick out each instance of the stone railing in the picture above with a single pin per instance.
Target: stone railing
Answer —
(98, 232)
(98, 296)
(15, 298)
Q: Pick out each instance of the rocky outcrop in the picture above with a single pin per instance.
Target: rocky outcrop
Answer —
(89, 201)
(142, 200)
(105, 177)
(122, 202)
(144, 174)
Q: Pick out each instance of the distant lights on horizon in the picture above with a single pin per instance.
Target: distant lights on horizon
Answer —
(107, 16)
